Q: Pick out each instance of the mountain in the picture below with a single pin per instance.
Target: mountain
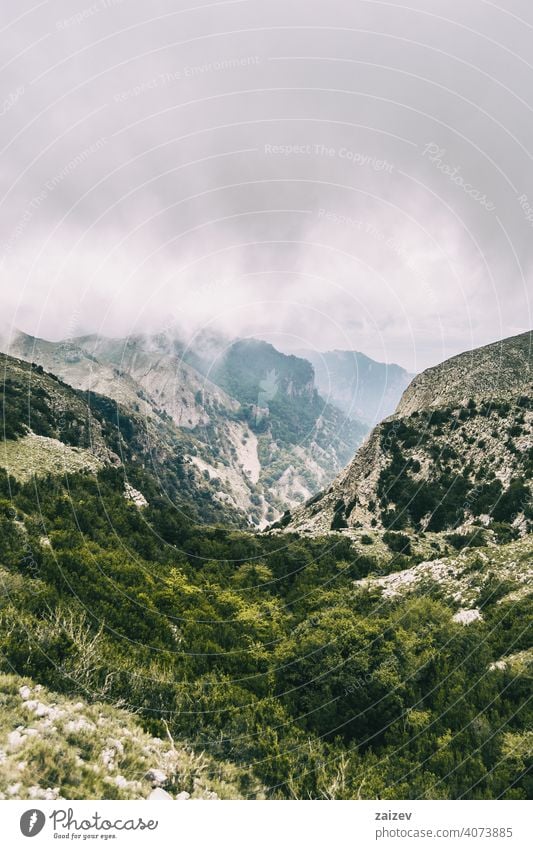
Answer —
(143, 372)
(49, 428)
(249, 424)
(362, 388)
(456, 454)
(295, 427)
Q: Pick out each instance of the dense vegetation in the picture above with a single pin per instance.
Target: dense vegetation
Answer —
(450, 488)
(259, 649)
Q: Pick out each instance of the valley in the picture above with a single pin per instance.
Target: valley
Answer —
(257, 447)
(373, 642)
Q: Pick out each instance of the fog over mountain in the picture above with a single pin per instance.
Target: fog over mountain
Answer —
(350, 175)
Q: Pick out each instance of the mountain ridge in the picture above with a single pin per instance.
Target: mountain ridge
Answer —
(429, 389)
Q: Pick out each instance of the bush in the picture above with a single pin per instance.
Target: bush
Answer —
(339, 521)
(398, 543)
(471, 539)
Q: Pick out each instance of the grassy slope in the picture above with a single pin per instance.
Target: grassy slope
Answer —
(23, 458)
(55, 747)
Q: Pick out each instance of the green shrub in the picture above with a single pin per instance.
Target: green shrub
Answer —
(398, 543)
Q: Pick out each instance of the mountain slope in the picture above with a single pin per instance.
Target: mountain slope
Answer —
(501, 575)
(129, 370)
(446, 459)
(38, 409)
(359, 386)
(51, 428)
(156, 365)
(501, 370)
(279, 401)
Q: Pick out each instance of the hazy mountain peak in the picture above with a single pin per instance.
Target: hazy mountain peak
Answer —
(361, 387)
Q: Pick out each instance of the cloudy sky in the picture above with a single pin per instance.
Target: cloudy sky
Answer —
(344, 174)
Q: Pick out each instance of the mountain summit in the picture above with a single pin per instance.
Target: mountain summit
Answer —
(501, 370)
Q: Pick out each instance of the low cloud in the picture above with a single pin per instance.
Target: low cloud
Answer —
(308, 175)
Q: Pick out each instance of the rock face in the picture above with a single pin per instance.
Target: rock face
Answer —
(501, 370)
(458, 450)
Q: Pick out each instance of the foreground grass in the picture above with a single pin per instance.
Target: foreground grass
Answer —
(52, 747)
